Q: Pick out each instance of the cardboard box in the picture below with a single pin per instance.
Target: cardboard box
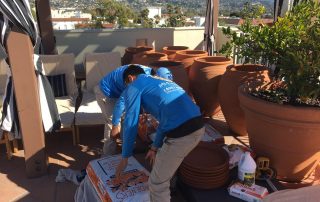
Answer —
(133, 185)
(254, 193)
(212, 135)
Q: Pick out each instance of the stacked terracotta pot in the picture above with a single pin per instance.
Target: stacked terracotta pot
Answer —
(235, 76)
(136, 52)
(204, 78)
(187, 57)
(206, 167)
(171, 50)
(146, 58)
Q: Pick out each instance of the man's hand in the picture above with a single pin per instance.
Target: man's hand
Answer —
(115, 131)
(151, 155)
(121, 167)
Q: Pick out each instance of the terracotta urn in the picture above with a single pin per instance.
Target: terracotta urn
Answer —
(177, 69)
(149, 57)
(235, 76)
(187, 57)
(204, 77)
(171, 50)
(288, 135)
(131, 51)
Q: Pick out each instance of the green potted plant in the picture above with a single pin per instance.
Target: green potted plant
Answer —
(283, 118)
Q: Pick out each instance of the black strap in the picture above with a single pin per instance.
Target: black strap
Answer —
(186, 128)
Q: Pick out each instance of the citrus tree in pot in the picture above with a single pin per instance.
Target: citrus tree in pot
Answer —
(283, 118)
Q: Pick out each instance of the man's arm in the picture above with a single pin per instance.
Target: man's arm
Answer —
(158, 141)
(118, 111)
(132, 97)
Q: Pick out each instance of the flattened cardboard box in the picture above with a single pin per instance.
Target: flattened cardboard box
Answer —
(133, 185)
(212, 135)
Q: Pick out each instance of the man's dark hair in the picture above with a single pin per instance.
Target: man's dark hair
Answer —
(132, 70)
(153, 72)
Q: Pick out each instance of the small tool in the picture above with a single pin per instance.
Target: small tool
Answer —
(264, 172)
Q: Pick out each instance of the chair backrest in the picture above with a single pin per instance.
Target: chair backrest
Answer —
(61, 64)
(3, 76)
(97, 65)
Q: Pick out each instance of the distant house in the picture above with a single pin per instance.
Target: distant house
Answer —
(153, 11)
(68, 23)
(68, 18)
(229, 21)
(69, 13)
(199, 21)
(108, 25)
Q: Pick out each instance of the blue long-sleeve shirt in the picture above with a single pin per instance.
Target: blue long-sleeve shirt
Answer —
(164, 99)
(112, 85)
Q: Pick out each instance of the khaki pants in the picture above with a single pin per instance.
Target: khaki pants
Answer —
(106, 104)
(168, 159)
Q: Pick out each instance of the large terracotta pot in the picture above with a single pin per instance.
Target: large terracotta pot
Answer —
(235, 76)
(288, 135)
(179, 74)
(204, 77)
(149, 57)
(171, 50)
(187, 57)
(131, 51)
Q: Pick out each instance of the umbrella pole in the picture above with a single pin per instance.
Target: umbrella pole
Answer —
(20, 53)
(45, 27)
(215, 25)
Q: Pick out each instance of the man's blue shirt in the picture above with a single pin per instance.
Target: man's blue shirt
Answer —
(164, 99)
(112, 85)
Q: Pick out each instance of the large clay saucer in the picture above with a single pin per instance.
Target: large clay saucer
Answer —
(207, 158)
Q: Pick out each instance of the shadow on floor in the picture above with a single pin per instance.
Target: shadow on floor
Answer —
(15, 186)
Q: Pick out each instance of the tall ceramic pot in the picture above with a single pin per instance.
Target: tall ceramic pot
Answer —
(149, 57)
(179, 74)
(235, 76)
(171, 50)
(288, 135)
(131, 51)
(187, 57)
(204, 77)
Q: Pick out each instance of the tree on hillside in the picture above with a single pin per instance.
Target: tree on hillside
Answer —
(175, 16)
(113, 12)
(156, 19)
(251, 11)
(145, 21)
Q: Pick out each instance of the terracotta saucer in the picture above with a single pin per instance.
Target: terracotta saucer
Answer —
(200, 185)
(205, 172)
(201, 172)
(204, 179)
(207, 158)
(207, 175)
